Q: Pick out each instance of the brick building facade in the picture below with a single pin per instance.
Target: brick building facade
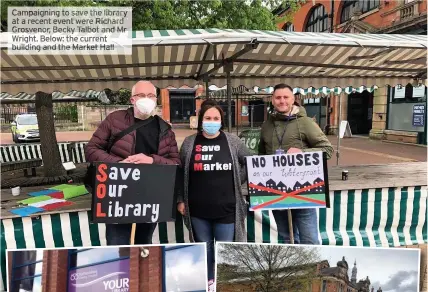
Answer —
(118, 269)
(368, 114)
(325, 279)
(145, 273)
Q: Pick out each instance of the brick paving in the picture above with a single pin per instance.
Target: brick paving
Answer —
(353, 151)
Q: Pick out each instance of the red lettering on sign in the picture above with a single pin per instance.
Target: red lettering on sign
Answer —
(102, 177)
(198, 148)
(101, 191)
(198, 157)
(198, 167)
(99, 212)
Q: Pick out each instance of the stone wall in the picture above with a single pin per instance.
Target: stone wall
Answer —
(380, 100)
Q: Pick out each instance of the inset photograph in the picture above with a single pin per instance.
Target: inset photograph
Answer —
(163, 268)
(299, 268)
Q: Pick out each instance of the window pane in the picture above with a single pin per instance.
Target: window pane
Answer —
(318, 20)
(185, 269)
(33, 284)
(28, 271)
(400, 117)
(97, 255)
(27, 256)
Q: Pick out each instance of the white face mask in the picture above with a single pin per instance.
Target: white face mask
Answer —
(145, 106)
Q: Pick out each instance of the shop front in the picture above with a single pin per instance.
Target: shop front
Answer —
(406, 114)
(113, 269)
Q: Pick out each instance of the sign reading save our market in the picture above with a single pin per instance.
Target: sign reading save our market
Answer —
(288, 181)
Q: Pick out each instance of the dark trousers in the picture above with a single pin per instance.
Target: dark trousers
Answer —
(209, 231)
(305, 225)
(120, 234)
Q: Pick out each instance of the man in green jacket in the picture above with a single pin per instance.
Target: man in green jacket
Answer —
(289, 130)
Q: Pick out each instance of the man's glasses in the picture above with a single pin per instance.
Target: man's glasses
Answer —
(141, 95)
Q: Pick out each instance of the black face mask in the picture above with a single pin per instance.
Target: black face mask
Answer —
(281, 117)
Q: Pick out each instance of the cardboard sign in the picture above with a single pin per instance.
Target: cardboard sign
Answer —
(133, 193)
(418, 115)
(111, 277)
(345, 129)
(251, 139)
(193, 122)
(288, 181)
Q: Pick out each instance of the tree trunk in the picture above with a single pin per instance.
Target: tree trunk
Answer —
(52, 164)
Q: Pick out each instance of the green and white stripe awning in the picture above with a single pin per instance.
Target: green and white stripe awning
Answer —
(326, 91)
(260, 58)
(84, 95)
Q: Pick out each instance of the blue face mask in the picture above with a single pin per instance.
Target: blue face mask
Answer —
(211, 128)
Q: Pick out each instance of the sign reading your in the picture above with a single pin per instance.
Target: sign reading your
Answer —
(133, 193)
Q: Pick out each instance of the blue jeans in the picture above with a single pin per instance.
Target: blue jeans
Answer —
(120, 234)
(209, 231)
(305, 225)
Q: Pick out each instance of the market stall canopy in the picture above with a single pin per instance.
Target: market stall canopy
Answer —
(258, 58)
(57, 95)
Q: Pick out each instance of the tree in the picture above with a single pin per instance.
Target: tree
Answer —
(268, 267)
(52, 164)
(182, 14)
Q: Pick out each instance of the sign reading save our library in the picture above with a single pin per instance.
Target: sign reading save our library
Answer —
(288, 181)
(133, 193)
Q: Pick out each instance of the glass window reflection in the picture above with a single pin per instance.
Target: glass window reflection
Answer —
(185, 269)
(27, 271)
(84, 257)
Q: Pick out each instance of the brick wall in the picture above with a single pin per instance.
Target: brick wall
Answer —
(151, 270)
(9, 267)
(379, 113)
(134, 269)
(56, 273)
(386, 15)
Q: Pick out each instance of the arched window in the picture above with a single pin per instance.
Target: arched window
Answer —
(318, 20)
(288, 27)
(349, 6)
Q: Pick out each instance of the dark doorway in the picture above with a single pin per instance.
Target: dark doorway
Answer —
(256, 110)
(182, 105)
(224, 106)
(316, 108)
(360, 112)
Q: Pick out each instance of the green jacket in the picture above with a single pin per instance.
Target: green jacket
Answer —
(300, 132)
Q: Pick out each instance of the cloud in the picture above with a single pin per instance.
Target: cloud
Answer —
(402, 281)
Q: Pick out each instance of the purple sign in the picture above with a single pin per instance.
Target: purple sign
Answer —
(111, 277)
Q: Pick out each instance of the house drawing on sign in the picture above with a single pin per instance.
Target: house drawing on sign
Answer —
(297, 186)
(305, 185)
(319, 189)
(281, 187)
(271, 184)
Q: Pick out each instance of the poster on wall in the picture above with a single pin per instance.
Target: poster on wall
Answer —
(419, 114)
(418, 91)
(400, 91)
(244, 111)
(108, 277)
(288, 181)
(134, 193)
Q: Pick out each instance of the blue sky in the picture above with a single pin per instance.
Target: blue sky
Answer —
(186, 269)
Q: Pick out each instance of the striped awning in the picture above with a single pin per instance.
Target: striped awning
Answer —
(84, 95)
(259, 58)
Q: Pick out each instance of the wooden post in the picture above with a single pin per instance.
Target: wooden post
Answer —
(290, 226)
(132, 240)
